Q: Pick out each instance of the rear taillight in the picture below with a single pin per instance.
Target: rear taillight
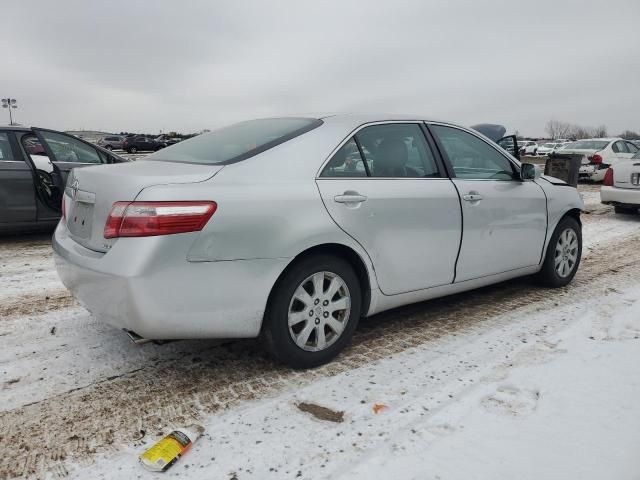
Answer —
(145, 219)
(596, 158)
(608, 178)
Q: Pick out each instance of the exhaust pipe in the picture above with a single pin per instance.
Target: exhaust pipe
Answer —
(135, 338)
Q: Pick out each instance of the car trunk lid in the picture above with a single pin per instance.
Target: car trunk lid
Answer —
(586, 153)
(92, 191)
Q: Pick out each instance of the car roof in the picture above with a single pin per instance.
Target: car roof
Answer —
(611, 139)
(18, 128)
(354, 120)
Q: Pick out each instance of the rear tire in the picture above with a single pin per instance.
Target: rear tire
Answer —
(627, 210)
(301, 322)
(563, 255)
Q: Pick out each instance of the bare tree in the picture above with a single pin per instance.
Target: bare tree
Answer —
(630, 135)
(600, 131)
(557, 129)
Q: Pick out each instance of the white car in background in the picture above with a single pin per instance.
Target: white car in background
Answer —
(531, 149)
(598, 154)
(523, 144)
(621, 186)
(547, 148)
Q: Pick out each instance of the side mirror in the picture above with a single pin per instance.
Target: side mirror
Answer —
(529, 171)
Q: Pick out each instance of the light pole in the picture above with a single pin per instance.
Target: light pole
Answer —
(9, 103)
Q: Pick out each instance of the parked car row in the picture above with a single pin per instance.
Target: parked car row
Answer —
(136, 143)
(532, 148)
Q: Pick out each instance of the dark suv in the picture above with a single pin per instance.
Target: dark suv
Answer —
(142, 143)
(34, 164)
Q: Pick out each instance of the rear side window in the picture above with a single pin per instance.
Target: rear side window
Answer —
(236, 142)
(5, 148)
(620, 147)
(394, 150)
(346, 162)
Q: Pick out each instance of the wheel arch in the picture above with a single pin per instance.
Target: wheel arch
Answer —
(339, 250)
(573, 213)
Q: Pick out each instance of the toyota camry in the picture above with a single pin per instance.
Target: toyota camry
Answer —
(292, 229)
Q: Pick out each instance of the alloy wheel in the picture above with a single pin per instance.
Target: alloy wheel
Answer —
(319, 311)
(566, 254)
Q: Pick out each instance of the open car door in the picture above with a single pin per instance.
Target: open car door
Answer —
(510, 144)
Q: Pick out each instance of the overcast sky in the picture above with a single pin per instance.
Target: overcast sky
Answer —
(188, 65)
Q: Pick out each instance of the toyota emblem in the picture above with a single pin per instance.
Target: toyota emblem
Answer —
(74, 188)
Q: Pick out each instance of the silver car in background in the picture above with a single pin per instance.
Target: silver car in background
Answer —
(293, 228)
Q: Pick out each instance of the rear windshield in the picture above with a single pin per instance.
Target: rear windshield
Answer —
(588, 144)
(236, 142)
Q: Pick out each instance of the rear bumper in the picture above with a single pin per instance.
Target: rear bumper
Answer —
(592, 172)
(146, 285)
(621, 197)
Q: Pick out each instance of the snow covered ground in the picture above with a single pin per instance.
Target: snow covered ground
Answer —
(549, 395)
(512, 381)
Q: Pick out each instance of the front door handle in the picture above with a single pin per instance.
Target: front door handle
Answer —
(472, 197)
(350, 197)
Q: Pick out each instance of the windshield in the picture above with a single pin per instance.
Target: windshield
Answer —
(236, 142)
(549, 145)
(588, 145)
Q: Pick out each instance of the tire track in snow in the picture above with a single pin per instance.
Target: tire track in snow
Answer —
(42, 438)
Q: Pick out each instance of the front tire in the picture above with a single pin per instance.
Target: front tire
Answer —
(563, 255)
(313, 312)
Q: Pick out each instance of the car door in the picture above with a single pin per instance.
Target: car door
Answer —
(510, 144)
(68, 152)
(17, 193)
(385, 188)
(504, 218)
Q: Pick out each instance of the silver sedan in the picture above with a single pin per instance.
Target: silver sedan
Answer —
(293, 229)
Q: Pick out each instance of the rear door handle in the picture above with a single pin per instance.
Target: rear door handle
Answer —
(350, 197)
(472, 197)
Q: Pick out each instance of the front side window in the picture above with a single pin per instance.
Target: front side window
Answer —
(69, 149)
(471, 157)
(5, 148)
(236, 142)
(631, 147)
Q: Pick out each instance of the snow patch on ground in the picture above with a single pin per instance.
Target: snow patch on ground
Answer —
(549, 395)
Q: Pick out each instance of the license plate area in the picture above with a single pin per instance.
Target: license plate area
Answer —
(80, 215)
(80, 219)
